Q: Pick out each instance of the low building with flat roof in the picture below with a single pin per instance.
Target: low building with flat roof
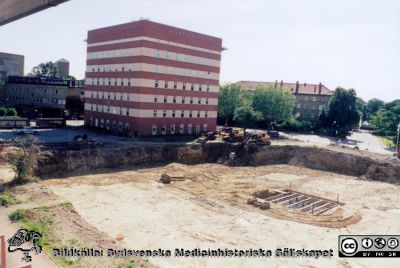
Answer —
(43, 97)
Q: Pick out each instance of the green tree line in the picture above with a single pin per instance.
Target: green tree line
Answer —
(265, 107)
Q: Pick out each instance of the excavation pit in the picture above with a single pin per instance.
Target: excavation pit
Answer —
(298, 201)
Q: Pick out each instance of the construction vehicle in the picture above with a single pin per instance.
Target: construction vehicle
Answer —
(237, 135)
(261, 140)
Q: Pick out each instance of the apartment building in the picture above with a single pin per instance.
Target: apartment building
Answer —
(310, 98)
(145, 78)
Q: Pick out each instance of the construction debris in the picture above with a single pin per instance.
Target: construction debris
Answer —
(167, 179)
(293, 200)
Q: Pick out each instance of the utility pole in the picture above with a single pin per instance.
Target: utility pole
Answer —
(398, 141)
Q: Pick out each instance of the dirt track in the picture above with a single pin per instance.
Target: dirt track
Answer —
(209, 210)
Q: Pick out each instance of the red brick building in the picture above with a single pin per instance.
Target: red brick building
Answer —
(145, 78)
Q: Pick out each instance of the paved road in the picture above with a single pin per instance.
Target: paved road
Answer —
(364, 140)
(61, 135)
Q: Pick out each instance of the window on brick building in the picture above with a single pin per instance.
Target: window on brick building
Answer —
(192, 87)
(190, 114)
(165, 99)
(182, 114)
(175, 85)
(184, 86)
(156, 83)
(173, 113)
(155, 113)
(155, 99)
(206, 114)
(199, 101)
(200, 87)
(183, 100)
(198, 114)
(191, 100)
(164, 114)
(206, 101)
(166, 84)
(174, 99)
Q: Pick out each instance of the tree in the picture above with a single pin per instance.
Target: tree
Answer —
(229, 99)
(11, 112)
(8, 111)
(362, 107)
(24, 159)
(373, 106)
(69, 77)
(386, 121)
(48, 69)
(274, 104)
(247, 117)
(342, 113)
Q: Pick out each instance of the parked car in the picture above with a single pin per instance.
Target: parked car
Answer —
(24, 131)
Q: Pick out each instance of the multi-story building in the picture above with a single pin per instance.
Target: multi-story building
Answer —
(144, 78)
(43, 97)
(11, 64)
(310, 98)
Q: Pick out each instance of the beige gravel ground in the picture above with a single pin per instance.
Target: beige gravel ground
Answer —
(209, 210)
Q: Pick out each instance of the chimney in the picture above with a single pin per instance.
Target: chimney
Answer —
(305, 84)
(320, 88)
(297, 87)
(315, 89)
(276, 83)
(281, 83)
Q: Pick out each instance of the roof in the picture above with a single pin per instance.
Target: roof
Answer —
(62, 60)
(304, 88)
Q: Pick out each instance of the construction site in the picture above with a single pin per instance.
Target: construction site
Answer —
(212, 194)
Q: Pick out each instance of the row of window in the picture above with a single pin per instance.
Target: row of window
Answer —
(183, 57)
(157, 83)
(155, 129)
(182, 100)
(172, 129)
(42, 90)
(184, 86)
(305, 107)
(156, 99)
(310, 98)
(156, 113)
(182, 71)
(129, 52)
(37, 100)
(182, 114)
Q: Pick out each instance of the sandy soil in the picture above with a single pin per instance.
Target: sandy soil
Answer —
(209, 210)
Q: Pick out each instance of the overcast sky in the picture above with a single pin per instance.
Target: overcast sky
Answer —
(339, 43)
